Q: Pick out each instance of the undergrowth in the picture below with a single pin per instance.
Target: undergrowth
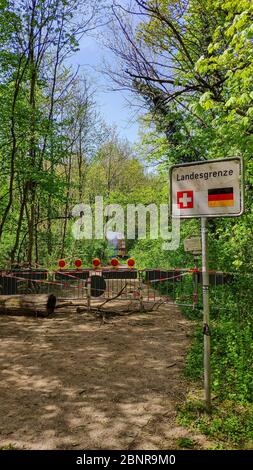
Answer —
(231, 420)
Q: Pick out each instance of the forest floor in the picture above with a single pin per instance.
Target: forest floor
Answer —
(70, 382)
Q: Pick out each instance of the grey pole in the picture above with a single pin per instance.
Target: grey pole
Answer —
(206, 326)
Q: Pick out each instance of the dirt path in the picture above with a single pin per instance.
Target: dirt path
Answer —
(69, 383)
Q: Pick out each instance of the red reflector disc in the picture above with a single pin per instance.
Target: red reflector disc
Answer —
(78, 263)
(114, 262)
(96, 262)
(130, 262)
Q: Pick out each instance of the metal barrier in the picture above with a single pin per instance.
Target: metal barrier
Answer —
(21, 282)
(172, 286)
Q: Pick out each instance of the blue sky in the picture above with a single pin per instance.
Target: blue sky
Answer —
(113, 105)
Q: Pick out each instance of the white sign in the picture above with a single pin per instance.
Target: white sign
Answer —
(211, 188)
(192, 245)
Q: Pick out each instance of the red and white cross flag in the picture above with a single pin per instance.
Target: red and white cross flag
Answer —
(185, 199)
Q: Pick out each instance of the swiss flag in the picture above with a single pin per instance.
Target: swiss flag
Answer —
(185, 199)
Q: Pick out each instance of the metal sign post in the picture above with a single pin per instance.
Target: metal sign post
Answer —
(195, 282)
(192, 245)
(205, 189)
(206, 319)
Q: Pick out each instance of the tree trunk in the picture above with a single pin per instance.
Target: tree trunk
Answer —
(14, 142)
(31, 227)
(20, 221)
(33, 304)
(68, 175)
(32, 150)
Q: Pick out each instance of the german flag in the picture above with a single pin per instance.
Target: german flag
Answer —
(220, 197)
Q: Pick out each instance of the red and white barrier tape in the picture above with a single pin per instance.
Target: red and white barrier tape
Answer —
(43, 281)
(168, 278)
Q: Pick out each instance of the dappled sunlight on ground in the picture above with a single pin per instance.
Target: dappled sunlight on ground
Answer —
(67, 382)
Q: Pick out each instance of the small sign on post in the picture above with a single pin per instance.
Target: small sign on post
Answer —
(206, 189)
(192, 245)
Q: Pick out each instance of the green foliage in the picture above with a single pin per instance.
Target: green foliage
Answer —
(232, 374)
(229, 424)
(185, 443)
(8, 447)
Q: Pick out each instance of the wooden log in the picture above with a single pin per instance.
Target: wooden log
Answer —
(32, 304)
